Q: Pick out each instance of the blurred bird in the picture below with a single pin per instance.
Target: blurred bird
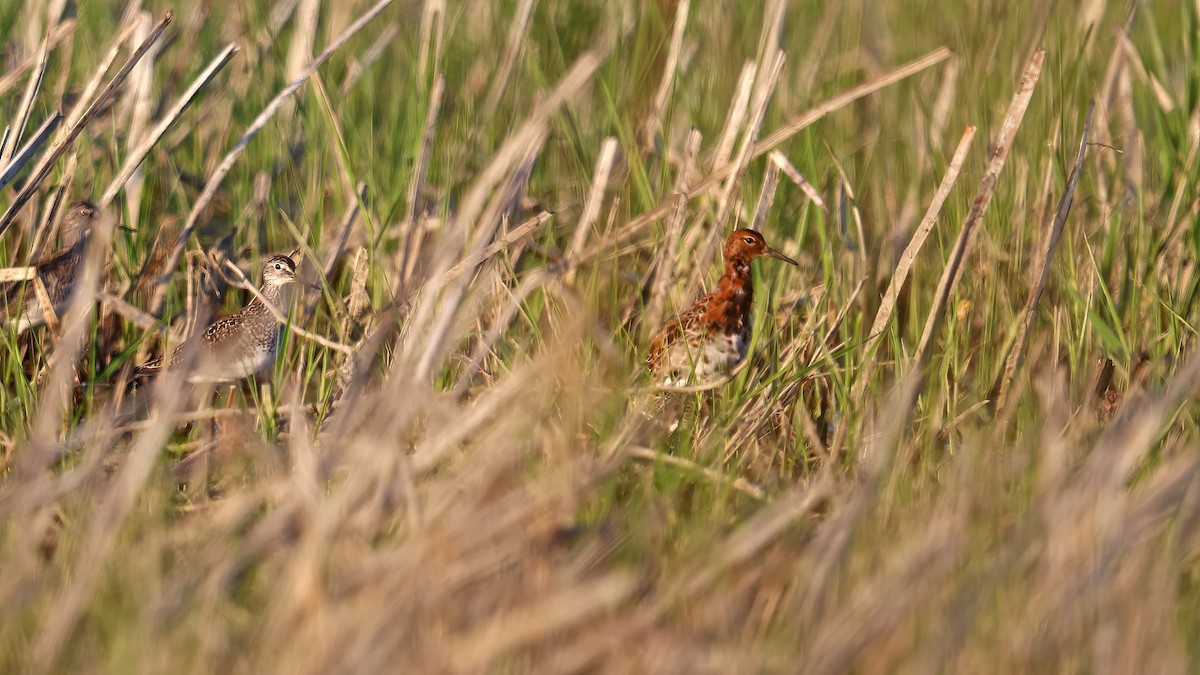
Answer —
(712, 337)
(19, 304)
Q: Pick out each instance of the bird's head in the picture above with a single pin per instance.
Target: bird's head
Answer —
(279, 270)
(78, 221)
(746, 245)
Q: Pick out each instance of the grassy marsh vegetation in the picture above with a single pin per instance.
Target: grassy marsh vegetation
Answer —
(994, 469)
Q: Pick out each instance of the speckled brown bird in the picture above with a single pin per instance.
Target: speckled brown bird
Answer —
(19, 304)
(712, 337)
(242, 344)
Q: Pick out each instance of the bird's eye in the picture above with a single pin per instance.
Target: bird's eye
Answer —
(278, 266)
(749, 240)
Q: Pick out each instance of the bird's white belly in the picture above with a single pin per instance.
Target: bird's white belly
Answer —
(711, 358)
(26, 322)
(33, 317)
(215, 369)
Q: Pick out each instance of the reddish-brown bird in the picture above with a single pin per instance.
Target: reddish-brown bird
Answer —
(712, 337)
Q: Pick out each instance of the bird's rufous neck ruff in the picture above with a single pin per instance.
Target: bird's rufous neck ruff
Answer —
(733, 295)
(737, 276)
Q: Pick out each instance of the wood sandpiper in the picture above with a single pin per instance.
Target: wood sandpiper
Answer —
(242, 344)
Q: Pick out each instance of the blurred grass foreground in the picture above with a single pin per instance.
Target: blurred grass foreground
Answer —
(965, 439)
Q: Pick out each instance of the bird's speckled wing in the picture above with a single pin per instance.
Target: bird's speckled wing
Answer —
(203, 342)
(19, 297)
(58, 274)
(689, 322)
(220, 328)
(13, 296)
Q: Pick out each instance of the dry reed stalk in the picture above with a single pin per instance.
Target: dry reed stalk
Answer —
(774, 19)
(664, 264)
(888, 305)
(943, 105)
(304, 38)
(334, 253)
(536, 619)
(138, 154)
(433, 33)
(56, 205)
(798, 124)
(513, 236)
(410, 234)
(281, 12)
(12, 274)
(651, 125)
(766, 196)
(226, 165)
(136, 316)
(591, 207)
(56, 389)
(749, 539)
(779, 159)
(31, 146)
(1016, 354)
(42, 170)
(529, 284)
(1131, 146)
(61, 617)
(47, 307)
(736, 116)
(509, 167)
(25, 108)
(983, 197)
(137, 101)
(369, 57)
(358, 300)
(764, 89)
(1134, 60)
(739, 484)
(517, 33)
(773, 141)
(88, 98)
(191, 304)
(55, 36)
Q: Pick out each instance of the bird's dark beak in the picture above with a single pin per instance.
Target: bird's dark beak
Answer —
(307, 284)
(779, 256)
(125, 228)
